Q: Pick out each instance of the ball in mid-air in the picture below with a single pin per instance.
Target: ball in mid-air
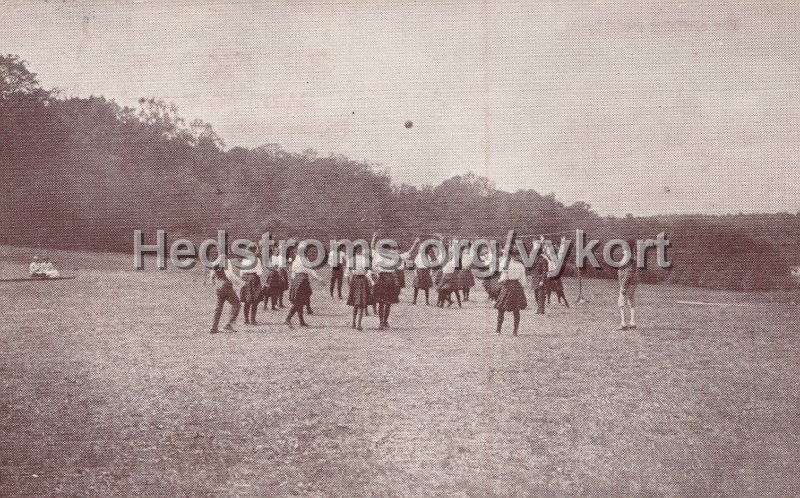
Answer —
(409, 124)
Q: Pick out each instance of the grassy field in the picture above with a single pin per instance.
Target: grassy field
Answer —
(111, 384)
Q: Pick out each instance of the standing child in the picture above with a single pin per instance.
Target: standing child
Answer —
(441, 294)
(448, 284)
(465, 280)
(300, 291)
(282, 263)
(491, 283)
(539, 284)
(251, 290)
(512, 293)
(400, 273)
(294, 255)
(386, 291)
(336, 260)
(543, 282)
(359, 279)
(628, 279)
(272, 281)
(539, 271)
(222, 277)
(554, 283)
(422, 274)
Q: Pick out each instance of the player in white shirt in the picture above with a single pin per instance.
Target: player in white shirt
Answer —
(300, 291)
(491, 283)
(464, 278)
(422, 274)
(387, 289)
(405, 258)
(512, 292)
(628, 279)
(281, 262)
(360, 281)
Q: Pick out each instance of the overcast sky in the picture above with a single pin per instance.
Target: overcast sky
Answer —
(630, 106)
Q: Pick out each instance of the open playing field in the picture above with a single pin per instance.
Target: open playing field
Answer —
(112, 384)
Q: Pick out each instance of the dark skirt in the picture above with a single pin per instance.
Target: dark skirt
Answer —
(251, 292)
(492, 286)
(272, 283)
(555, 285)
(400, 275)
(386, 289)
(511, 297)
(448, 282)
(539, 280)
(464, 278)
(422, 278)
(300, 292)
(283, 284)
(360, 292)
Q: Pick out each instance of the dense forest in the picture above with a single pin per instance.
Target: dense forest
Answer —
(86, 172)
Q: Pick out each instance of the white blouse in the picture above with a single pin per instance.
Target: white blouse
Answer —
(339, 256)
(278, 262)
(358, 266)
(382, 264)
(515, 271)
(229, 273)
(298, 267)
(552, 264)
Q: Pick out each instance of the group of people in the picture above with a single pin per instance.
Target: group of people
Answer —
(43, 268)
(257, 284)
(378, 286)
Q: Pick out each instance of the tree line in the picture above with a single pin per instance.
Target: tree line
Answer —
(86, 172)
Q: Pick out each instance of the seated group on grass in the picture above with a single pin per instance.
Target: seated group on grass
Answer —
(42, 268)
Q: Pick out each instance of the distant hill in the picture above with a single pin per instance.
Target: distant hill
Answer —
(86, 172)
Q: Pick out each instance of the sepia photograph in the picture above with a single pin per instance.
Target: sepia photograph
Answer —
(400, 248)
